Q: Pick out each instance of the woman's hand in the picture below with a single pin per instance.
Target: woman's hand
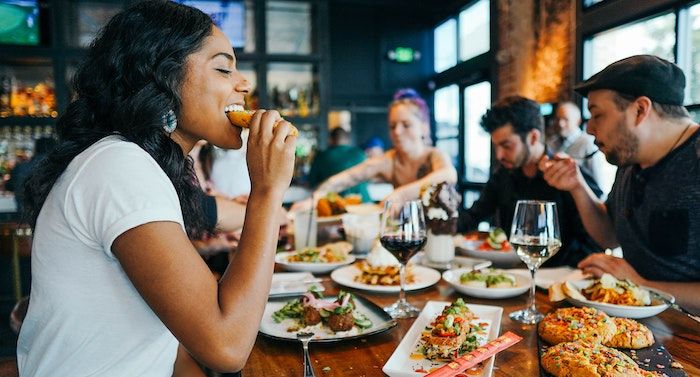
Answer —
(270, 153)
(398, 195)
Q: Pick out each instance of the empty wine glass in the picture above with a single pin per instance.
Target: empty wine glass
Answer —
(403, 233)
(536, 238)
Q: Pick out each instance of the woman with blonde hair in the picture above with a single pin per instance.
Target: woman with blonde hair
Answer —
(411, 164)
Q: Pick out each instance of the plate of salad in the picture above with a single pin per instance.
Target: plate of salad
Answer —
(493, 246)
(487, 283)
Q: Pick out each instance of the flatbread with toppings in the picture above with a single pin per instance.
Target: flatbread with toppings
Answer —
(586, 359)
(630, 334)
(569, 324)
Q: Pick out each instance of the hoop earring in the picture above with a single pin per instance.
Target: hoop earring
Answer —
(169, 121)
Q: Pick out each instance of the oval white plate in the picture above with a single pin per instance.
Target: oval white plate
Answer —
(319, 219)
(364, 208)
(522, 284)
(424, 277)
(281, 259)
(623, 310)
(500, 258)
(328, 219)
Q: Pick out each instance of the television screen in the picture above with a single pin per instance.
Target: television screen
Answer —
(19, 22)
(229, 16)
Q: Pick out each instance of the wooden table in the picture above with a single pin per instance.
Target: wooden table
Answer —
(367, 356)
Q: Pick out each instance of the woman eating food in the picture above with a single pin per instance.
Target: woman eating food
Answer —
(116, 283)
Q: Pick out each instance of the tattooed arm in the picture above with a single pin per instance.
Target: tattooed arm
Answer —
(442, 171)
(369, 169)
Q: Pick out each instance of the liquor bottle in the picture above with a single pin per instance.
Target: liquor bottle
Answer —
(5, 96)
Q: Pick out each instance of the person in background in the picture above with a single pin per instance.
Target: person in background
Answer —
(222, 212)
(42, 147)
(517, 133)
(653, 211)
(410, 165)
(339, 156)
(568, 137)
(374, 147)
(116, 282)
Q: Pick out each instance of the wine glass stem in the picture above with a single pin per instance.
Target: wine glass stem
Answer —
(532, 306)
(402, 283)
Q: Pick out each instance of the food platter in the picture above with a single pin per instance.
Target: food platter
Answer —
(403, 362)
(381, 321)
(424, 277)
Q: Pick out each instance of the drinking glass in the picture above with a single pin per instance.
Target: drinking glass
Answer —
(536, 238)
(403, 233)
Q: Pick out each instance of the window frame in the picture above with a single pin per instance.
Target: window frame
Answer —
(610, 14)
(465, 73)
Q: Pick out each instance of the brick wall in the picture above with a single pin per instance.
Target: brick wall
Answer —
(536, 47)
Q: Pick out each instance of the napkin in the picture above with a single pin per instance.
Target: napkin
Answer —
(293, 283)
(545, 277)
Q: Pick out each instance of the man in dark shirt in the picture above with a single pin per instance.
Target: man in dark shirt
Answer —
(517, 132)
(653, 210)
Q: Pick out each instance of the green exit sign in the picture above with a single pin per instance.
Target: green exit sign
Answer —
(403, 55)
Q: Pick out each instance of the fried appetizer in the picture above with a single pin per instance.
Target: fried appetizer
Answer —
(341, 319)
(569, 324)
(586, 359)
(311, 316)
(242, 118)
(331, 205)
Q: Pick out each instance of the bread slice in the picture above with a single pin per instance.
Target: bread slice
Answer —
(556, 292)
(573, 292)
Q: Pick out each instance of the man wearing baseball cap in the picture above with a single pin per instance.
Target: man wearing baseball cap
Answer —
(653, 211)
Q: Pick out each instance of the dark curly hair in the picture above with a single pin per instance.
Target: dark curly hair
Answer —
(522, 113)
(129, 79)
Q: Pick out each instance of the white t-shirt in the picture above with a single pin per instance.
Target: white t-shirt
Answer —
(85, 317)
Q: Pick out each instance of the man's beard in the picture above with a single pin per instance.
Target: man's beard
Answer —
(625, 149)
(522, 158)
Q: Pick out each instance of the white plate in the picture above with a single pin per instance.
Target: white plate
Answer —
(381, 321)
(319, 219)
(292, 283)
(364, 208)
(424, 277)
(498, 257)
(457, 262)
(623, 310)
(547, 276)
(400, 364)
(522, 284)
(319, 268)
